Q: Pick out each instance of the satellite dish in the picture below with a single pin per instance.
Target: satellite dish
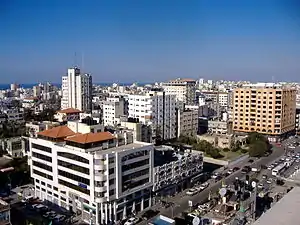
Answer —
(223, 192)
(253, 184)
(196, 221)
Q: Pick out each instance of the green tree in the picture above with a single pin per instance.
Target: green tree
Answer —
(258, 149)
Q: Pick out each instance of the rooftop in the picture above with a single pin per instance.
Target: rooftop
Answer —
(57, 132)
(180, 80)
(286, 211)
(69, 111)
(90, 137)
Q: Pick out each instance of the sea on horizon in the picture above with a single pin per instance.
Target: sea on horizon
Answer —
(7, 86)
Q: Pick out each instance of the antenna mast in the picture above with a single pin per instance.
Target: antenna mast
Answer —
(82, 60)
(75, 59)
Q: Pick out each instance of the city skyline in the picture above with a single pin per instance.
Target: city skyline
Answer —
(150, 41)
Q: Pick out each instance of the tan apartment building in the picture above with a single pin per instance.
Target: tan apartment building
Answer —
(265, 108)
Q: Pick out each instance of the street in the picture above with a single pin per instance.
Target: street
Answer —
(181, 200)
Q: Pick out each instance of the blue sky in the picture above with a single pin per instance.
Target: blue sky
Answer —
(148, 40)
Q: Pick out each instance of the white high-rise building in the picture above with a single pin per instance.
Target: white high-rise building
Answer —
(95, 174)
(157, 109)
(184, 89)
(77, 90)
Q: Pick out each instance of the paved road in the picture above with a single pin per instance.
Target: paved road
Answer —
(181, 201)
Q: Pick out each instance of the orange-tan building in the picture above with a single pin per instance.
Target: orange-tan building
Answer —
(265, 108)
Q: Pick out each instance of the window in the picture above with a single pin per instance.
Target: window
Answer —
(73, 157)
(111, 192)
(73, 167)
(43, 157)
(111, 181)
(74, 177)
(41, 147)
(73, 186)
(111, 171)
(135, 165)
(47, 176)
(42, 166)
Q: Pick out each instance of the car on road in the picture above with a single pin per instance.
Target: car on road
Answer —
(250, 161)
(235, 169)
(296, 167)
(264, 177)
(260, 185)
(192, 191)
(215, 175)
(269, 181)
(230, 171)
(203, 186)
(149, 214)
(132, 221)
(246, 169)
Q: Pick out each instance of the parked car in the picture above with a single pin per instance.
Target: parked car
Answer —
(246, 169)
(149, 214)
(192, 191)
(230, 171)
(215, 175)
(269, 181)
(260, 186)
(132, 221)
(235, 169)
(204, 185)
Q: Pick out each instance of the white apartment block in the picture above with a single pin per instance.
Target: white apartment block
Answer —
(185, 167)
(184, 89)
(92, 173)
(157, 109)
(187, 122)
(113, 108)
(77, 90)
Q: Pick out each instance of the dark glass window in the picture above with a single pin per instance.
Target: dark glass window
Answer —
(73, 186)
(74, 177)
(41, 147)
(42, 174)
(73, 167)
(73, 157)
(42, 166)
(43, 157)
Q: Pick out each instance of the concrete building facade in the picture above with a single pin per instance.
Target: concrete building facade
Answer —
(155, 108)
(265, 108)
(77, 90)
(187, 122)
(184, 89)
(96, 174)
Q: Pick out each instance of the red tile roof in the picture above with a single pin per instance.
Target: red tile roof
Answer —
(57, 132)
(69, 111)
(90, 137)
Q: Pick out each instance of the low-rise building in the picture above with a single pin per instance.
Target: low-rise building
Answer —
(94, 174)
(32, 128)
(174, 172)
(13, 146)
(69, 114)
(142, 132)
(217, 127)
